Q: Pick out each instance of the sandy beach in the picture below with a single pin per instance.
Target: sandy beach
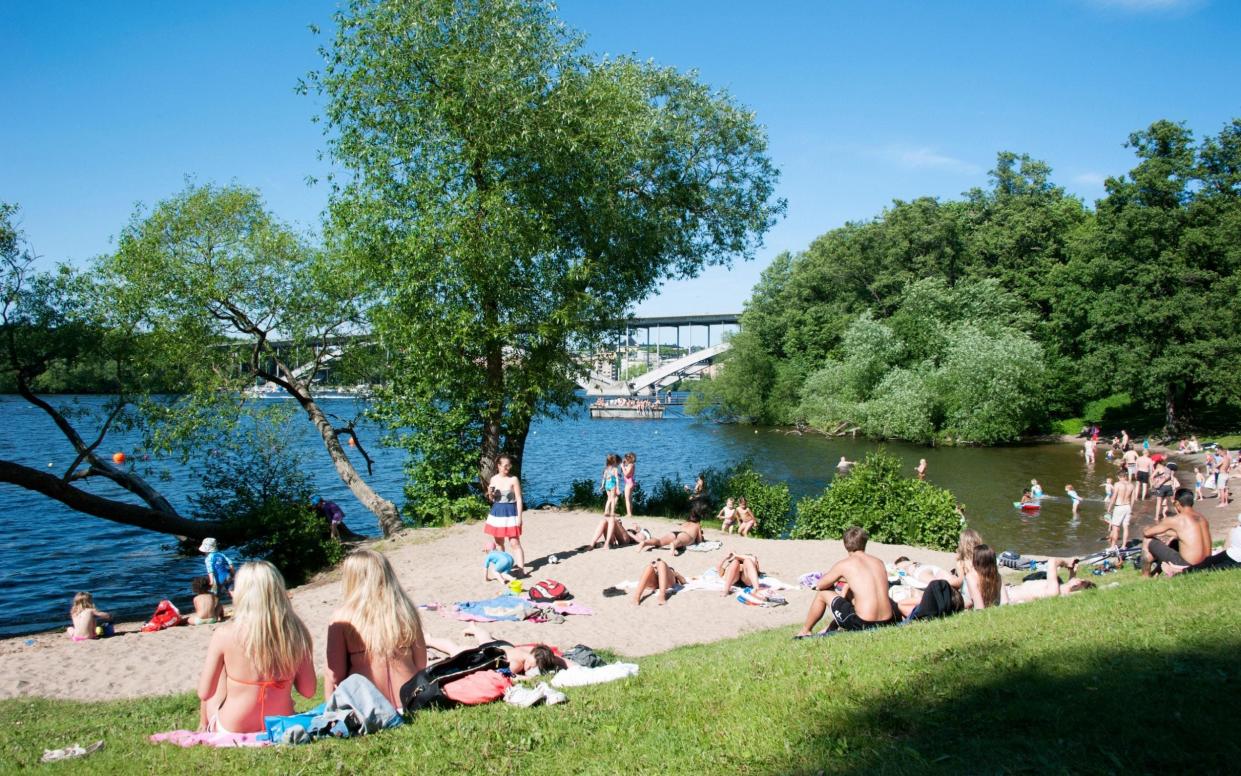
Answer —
(445, 566)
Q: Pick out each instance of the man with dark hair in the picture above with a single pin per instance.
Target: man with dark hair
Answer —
(862, 601)
(1192, 542)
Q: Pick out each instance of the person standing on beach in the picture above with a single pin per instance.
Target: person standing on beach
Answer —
(1144, 466)
(629, 470)
(219, 567)
(1221, 478)
(1119, 509)
(1162, 485)
(504, 522)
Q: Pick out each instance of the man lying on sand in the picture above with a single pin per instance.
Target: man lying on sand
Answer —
(864, 603)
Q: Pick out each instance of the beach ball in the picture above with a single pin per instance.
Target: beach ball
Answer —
(118, 457)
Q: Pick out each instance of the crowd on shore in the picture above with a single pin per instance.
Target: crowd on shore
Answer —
(262, 652)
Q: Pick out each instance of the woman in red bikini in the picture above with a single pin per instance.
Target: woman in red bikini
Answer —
(255, 659)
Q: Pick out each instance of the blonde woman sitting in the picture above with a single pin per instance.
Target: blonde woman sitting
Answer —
(256, 659)
(376, 632)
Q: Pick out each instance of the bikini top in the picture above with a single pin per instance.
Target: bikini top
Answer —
(264, 685)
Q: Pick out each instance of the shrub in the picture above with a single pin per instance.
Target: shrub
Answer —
(893, 509)
(585, 494)
(253, 479)
(770, 502)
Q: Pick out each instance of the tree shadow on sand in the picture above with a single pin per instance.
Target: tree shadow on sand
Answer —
(1063, 712)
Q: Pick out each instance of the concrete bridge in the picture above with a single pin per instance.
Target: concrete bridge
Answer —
(690, 360)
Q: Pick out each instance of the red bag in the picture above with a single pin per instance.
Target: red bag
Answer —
(166, 616)
(548, 590)
(476, 688)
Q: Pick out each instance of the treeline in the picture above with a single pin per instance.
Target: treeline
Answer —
(977, 320)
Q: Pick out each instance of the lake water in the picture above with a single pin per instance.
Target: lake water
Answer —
(49, 551)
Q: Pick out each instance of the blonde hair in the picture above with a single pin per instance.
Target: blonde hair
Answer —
(273, 638)
(965, 546)
(377, 607)
(81, 602)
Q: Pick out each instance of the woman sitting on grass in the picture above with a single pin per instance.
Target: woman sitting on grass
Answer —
(983, 578)
(255, 659)
(689, 533)
(376, 631)
(966, 543)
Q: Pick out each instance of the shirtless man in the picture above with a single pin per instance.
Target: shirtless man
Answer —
(1120, 509)
(865, 603)
(1130, 462)
(1193, 537)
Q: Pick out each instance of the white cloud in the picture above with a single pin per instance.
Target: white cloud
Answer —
(1148, 6)
(1096, 179)
(926, 158)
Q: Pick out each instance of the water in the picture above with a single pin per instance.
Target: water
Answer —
(49, 551)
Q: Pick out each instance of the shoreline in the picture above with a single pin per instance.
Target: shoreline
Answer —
(444, 565)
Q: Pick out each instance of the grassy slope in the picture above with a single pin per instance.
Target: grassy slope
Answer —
(1141, 677)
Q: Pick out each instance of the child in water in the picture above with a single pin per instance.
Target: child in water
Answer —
(1026, 498)
(88, 622)
(207, 607)
(1073, 497)
(1036, 490)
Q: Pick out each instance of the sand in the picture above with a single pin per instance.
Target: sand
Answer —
(445, 565)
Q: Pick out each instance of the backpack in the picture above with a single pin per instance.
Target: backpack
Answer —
(477, 688)
(166, 616)
(548, 590)
(426, 688)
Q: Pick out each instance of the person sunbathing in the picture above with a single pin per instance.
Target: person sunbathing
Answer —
(983, 579)
(1047, 588)
(207, 607)
(521, 658)
(689, 533)
(661, 578)
(256, 659)
(376, 631)
(919, 575)
(864, 602)
(734, 568)
(88, 622)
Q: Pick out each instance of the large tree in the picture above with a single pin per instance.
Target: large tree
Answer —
(56, 321)
(234, 295)
(508, 194)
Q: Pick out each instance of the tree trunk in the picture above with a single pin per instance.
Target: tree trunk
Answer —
(493, 423)
(389, 517)
(1169, 411)
(168, 522)
(515, 441)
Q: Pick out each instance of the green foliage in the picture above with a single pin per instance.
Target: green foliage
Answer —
(252, 478)
(944, 365)
(893, 509)
(769, 501)
(505, 196)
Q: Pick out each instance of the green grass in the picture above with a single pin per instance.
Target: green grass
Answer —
(1136, 678)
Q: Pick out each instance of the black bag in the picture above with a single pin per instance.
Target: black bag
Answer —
(424, 691)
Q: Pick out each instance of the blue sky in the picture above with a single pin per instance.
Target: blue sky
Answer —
(112, 104)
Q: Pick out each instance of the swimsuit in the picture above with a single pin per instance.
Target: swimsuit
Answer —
(264, 685)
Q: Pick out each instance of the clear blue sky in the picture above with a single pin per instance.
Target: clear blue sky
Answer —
(112, 104)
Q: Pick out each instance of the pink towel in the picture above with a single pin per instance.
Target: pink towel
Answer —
(191, 738)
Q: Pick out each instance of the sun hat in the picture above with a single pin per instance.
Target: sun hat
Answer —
(208, 545)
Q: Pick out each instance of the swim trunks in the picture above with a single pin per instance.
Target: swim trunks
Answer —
(1120, 514)
(846, 616)
(1144, 477)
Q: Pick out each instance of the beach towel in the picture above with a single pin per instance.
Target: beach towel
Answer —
(710, 546)
(188, 738)
(509, 608)
(810, 579)
(580, 676)
(166, 616)
(748, 597)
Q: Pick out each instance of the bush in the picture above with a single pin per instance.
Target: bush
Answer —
(893, 509)
(293, 537)
(252, 479)
(770, 502)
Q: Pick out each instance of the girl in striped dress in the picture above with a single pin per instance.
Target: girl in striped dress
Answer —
(504, 522)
